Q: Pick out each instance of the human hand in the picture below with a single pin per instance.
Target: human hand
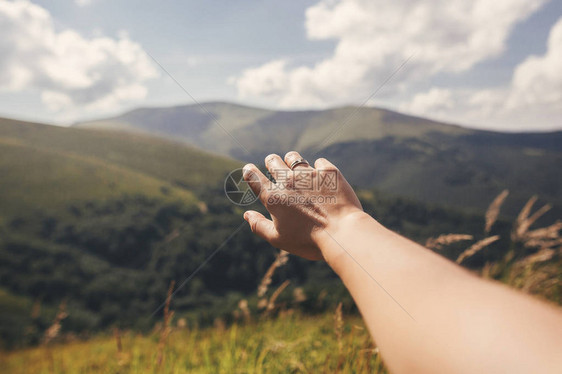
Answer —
(303, 203)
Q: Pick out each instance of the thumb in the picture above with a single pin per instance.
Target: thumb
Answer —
(261, 226)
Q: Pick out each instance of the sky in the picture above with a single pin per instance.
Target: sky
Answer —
(493, 65)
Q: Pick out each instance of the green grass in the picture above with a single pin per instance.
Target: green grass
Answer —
(287, 344)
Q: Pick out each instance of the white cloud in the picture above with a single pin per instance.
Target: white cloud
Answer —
(375, 36)
(532, 100)
(436, 100)
(71, 72)
(538, 79)
(83, 3)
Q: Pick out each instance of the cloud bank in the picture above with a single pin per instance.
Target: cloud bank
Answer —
(533, 98)
(374, 37)
(69, 70)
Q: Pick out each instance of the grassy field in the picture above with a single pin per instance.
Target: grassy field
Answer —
(290, 343)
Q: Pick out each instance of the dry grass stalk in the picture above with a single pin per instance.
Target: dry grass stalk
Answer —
(262, 303)
(478, 246)
(298, 295)
(122, 357)
(487, 271)
(243, 305)
(117, 335)
(538, 214)
(543, 243)
(494, 210)
(280, 260)
(526, 210)
(275, 295)
(545, 237)
(182, 323)
(545, 233)
(166, 326)
(543, 281)
(338, 326)
(446, 239)
(543, 255)
(524, 221)
(53, 331)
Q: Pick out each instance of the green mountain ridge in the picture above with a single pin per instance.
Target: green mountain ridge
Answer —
(396, 153)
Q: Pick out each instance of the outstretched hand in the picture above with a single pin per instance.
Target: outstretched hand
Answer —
(302, 202)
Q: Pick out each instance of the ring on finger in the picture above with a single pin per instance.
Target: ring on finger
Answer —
(298, 161)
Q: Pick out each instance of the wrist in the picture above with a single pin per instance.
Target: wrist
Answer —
(335, 241)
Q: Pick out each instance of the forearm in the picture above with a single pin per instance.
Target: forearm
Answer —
(429, 315)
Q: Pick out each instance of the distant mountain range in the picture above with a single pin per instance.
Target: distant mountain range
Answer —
(404, 155)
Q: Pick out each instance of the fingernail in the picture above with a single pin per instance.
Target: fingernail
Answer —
(248, 216)
(246, 170)
(247, 173)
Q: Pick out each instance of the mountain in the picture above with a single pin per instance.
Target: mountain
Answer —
(396, 153)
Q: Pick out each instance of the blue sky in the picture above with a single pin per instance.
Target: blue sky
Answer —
(483, 64)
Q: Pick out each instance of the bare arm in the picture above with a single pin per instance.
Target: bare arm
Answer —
(426, 314)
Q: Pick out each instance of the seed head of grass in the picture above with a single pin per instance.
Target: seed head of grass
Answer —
(280, 260)
(494, 210)
(476, 247)
(446, 239)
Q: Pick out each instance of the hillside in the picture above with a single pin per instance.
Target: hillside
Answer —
(170, 162)
(396, 153)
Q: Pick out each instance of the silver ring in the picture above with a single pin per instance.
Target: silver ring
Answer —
(297, 162)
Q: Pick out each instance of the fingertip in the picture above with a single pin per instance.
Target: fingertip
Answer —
(251, 215)
(323, 163)
(270, 158)
(247, 169)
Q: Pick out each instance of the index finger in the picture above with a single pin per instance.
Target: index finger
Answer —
(257, 181)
